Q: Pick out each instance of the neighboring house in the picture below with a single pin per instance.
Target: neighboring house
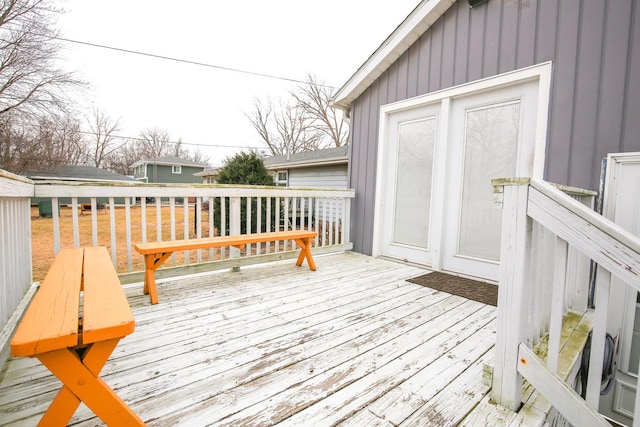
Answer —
(167, 169)
(76, 173)
(325, 168)
(209, 175)
(458, 95)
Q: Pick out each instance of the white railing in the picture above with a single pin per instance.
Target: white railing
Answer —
(146, 212)
(527, 206)
(15, 250)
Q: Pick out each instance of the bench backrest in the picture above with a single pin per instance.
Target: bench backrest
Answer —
(79, 282)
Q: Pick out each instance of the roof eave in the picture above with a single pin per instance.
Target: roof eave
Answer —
(308, 163)
(410, 30)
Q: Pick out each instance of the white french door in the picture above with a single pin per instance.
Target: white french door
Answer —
(491, 136)
(434, 201)
(410, 167)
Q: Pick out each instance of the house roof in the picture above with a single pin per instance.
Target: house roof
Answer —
(168, 161)
(79, 173)
(410, 30)
(208, 172)
(327, 156)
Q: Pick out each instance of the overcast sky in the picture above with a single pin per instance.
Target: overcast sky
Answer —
(204, 106)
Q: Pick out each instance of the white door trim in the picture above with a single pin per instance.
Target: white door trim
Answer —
(540, 72)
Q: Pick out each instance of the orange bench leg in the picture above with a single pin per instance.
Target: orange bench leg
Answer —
(305, 252)
(81, 383)
(152, 262)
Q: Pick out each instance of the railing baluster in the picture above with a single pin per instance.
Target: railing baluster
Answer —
(598, 335)
(235, 223)
(158, 219)
(127, 219)
(258, 223)
(212, 212)
(185, 225)
(248, 223)
(267, 245)
(55, 213)
(223, 223)
(324, 222)
(74, 221)
(94, 222)
(172, 220)
(317, 221)
(332, 219)
(112, 228)
(143, 218)
(197, 220)
(557, 303)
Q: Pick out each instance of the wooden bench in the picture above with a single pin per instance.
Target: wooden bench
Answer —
(73, 324)
(155, 253)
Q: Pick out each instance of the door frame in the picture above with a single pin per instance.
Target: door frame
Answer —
(542, 73)
(617, 404)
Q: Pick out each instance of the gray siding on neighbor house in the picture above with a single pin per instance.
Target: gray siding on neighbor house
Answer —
(164, 174)
(334, 176)
(594, 46)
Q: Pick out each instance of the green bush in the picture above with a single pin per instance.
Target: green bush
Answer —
(245, 169)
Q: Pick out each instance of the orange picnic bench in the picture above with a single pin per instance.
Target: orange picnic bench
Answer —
(73, 324)
(155, 253)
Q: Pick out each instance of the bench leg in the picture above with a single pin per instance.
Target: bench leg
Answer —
(152, 262)
(81, 383)
(305, 252)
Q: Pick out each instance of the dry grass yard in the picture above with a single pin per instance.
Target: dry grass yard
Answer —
(42, 233)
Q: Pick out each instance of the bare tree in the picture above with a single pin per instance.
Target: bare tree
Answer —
(286, 129)
(31, 82)
(307, 122)
(153, 142)
(104, 140)
(27, 148)
(315, 99)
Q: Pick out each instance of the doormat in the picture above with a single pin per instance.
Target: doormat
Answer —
(485, 293)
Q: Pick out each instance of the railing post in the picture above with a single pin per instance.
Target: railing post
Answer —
(234, 223)
(512, 291)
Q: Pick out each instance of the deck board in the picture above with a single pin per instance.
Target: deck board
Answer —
(352, 343)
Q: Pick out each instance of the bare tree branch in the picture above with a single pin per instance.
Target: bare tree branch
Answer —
(306, 123)
(105, 142)
(31, 82)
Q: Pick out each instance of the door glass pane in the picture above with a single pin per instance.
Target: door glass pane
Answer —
(491, 140)
(413, 182)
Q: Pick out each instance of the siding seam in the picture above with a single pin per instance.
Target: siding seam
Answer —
(595, 160)
(625, 104)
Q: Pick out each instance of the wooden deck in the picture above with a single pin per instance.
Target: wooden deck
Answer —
(350, 344)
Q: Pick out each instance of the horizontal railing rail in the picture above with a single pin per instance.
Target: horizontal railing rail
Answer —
(140, 212)
(528, 204)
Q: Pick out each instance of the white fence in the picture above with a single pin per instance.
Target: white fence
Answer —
(529, 205)
(15, 250)
(163, 212)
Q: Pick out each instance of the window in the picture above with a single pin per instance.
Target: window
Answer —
(281, 178)
(176, 169)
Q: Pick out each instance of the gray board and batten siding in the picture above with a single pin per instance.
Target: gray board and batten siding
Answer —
(594, 48)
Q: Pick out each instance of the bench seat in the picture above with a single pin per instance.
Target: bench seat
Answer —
(155, 253)
(72, 325)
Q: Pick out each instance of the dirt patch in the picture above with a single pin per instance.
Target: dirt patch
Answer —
(42, 233)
